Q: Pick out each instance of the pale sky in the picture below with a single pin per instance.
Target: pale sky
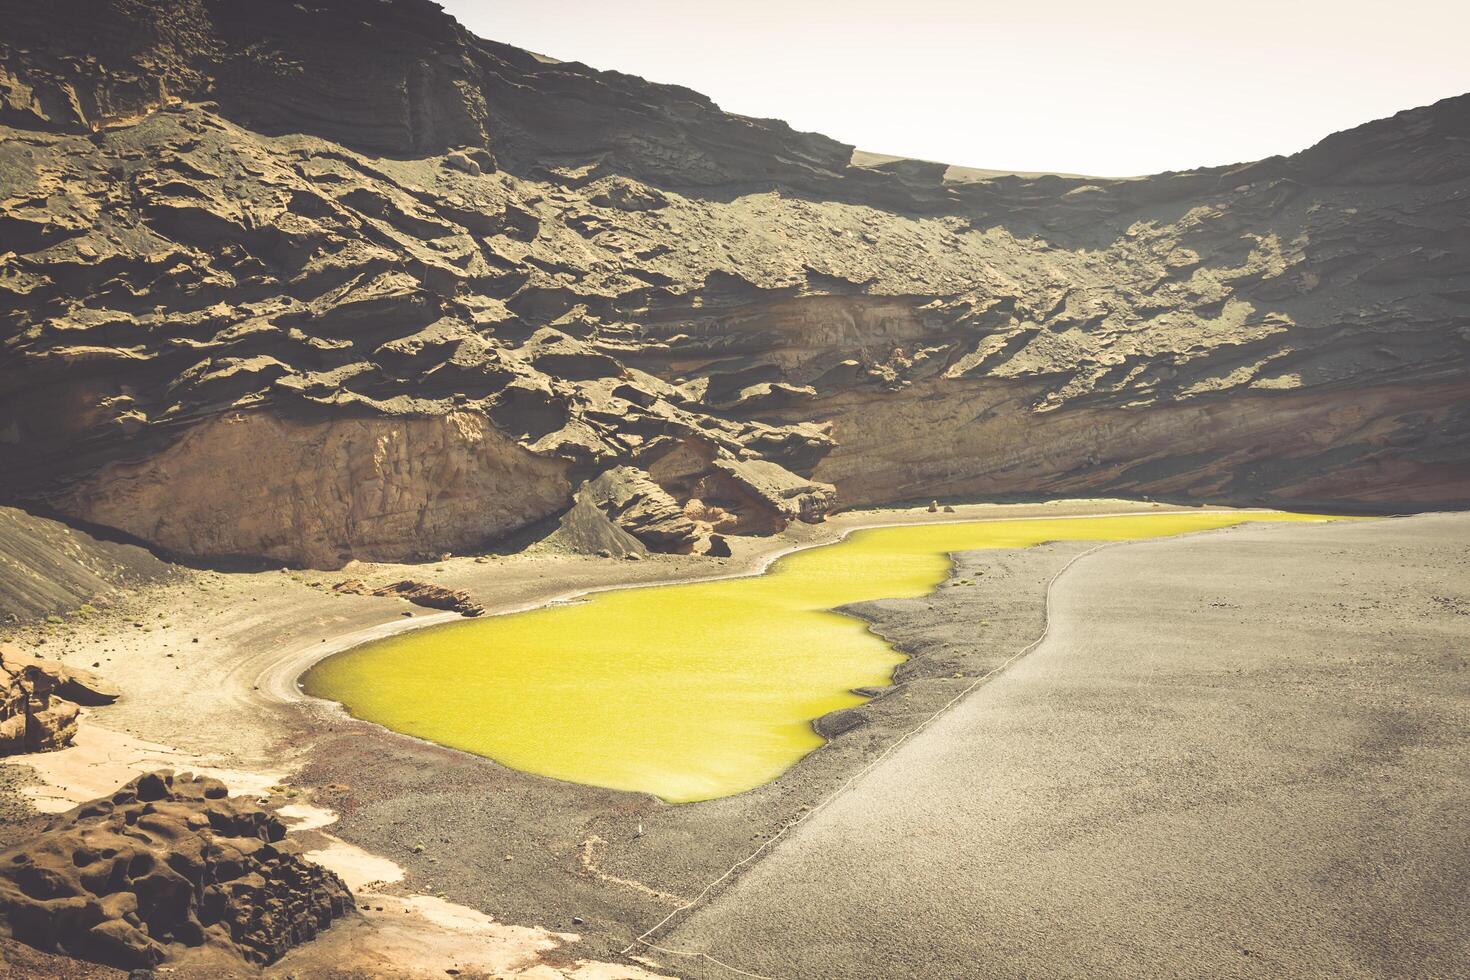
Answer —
(1108, 89)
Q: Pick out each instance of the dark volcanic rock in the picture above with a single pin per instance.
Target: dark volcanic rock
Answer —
(463, 280)
(835, 723)
(165, 866)
(587, 530)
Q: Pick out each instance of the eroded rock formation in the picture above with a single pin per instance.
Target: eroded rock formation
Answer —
(320, 280)
(586, 529)
(166, 866)
(39, 698)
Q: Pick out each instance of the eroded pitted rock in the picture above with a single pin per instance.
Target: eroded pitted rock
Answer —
(166, 866)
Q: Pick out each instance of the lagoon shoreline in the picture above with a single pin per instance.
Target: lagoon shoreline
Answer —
(525, 849)
(752, 671)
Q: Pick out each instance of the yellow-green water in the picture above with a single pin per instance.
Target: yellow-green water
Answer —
(691, 691)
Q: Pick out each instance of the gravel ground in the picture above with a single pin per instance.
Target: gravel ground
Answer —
(16, 812)
(1240, 753)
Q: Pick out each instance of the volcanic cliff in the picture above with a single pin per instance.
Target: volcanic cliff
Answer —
(330, 279)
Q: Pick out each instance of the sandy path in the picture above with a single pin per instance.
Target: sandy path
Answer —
(1244, 753)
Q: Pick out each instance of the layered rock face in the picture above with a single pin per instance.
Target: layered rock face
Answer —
(167, 866)
(323, 280)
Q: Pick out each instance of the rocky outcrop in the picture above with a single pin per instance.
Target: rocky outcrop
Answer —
(722, 491)
(424, 594)
(166, 868)
(781, 495)
(39, 698)
(317, 281)
(321, 493)
(33, 717)
(642, 509)
(586, 529)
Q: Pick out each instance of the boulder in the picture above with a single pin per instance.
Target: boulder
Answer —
(626, 195)
(783, 493)
(165, 865)
(36, 714)
(463, 163)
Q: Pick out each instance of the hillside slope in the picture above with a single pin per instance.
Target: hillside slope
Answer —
(323, 280)
(47, 568)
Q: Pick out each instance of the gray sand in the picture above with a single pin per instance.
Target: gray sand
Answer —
(1241, 753)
